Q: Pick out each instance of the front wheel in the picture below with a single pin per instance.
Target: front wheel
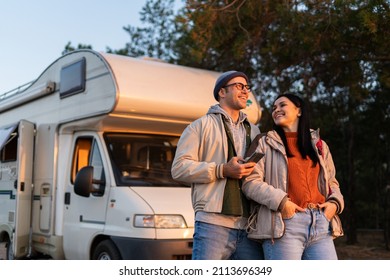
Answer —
(106, 250)
(10, 252)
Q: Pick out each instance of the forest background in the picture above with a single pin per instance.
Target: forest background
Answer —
(333, 53)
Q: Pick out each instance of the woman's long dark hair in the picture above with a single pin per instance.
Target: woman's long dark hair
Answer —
(305, 146)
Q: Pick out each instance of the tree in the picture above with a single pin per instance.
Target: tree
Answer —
(333, 53)
(70, 48)
(156, 39)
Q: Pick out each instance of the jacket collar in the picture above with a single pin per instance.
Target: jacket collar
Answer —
(216, 109)
(276, 142)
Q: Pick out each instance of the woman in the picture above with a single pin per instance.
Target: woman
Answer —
(296, 189)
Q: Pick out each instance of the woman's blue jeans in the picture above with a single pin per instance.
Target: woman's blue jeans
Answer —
(307, 237)
(212, 242)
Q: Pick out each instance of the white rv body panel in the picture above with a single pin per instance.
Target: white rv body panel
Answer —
(139, 92)
(23, 187)
(102, 133)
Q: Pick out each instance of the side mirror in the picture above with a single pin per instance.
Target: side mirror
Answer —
(84, 181)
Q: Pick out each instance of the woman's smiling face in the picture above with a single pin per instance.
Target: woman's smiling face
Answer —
(285, 114)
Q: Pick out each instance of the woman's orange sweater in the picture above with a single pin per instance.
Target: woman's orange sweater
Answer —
(302, 176)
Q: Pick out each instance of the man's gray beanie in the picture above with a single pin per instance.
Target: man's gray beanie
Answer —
(224, 78)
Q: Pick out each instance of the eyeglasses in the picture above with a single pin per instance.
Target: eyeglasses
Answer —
(240, 86)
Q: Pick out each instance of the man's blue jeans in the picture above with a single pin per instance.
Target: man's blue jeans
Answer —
(212, 242)
(307, 237)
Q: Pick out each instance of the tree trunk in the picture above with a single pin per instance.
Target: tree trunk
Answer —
(350, 197)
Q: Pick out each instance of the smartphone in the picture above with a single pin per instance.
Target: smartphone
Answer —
(255, 157)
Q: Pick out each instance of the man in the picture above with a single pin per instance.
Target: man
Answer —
(209, 157)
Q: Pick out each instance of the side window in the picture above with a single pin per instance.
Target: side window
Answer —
(97, 163)
(10, 150)
(81, 154)
(9, 143)
(86, 152)
(73, 78)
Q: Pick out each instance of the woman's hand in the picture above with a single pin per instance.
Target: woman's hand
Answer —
(289, 209)
(329, 209)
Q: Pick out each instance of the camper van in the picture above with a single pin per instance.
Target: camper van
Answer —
(86, 153)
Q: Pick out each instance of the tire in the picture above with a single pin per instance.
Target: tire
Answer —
(106, 250)
(10, 252)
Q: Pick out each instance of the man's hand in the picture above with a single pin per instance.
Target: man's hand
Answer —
(236, 170)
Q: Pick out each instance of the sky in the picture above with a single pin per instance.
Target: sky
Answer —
(33, 33)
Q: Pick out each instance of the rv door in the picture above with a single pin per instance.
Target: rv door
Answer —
(23, 188)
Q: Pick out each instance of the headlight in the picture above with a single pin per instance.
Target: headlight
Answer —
(159, 221)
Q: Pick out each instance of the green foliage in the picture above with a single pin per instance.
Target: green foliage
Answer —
(70, 48)
(156, 38)
(333, 53)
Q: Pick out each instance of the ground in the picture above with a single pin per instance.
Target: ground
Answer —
(370, 246)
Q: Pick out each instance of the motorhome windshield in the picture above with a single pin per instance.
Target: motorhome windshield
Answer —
(142, 160)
